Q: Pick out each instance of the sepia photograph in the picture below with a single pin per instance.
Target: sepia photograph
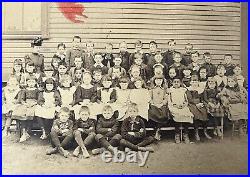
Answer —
(124, 88)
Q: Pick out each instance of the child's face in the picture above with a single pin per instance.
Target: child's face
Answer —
(84, 115)
(138, 47)
(63, 116)
(30, 68)
(203, 73)
(76, 43)
(171, 46)
(176, 83)
(228, 59)
(221, 71)
(78, 62)
(17, 68)
(109, 48)
(48, 73)
(49, 87)
(90, 47)
(187, 72)
(158, 82)
(211, 84)
(36, 49)
(55, 64)
(152, 47)
(78, 74)
(31, 83)
(138, 61)
(13, 82)
(98, 59)
(106, 84)
(158, 58)
(138, 84)
(97, 76)
(86, 78)
(117, 61)
(194, 83)
(177, 58)
(132, 112)
(66, 83)
(237, 71)
(123, 47)
(61, 50)
(195, 57)
(158, 71)
(188, 49)
(62, 69)
(107, 114)
(207, 58)
(231, 82)
(124, 85)
(135, 72)
(172, 73)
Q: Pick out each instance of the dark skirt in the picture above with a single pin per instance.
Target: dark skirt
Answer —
(199, 113)
(160, 115)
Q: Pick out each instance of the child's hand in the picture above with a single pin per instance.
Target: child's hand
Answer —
(109, 129)
(91, 128)
(65, 130)
(141, 130)
(199, 105)
(131, 133)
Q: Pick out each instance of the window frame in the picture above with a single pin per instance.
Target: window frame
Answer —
(44, 33)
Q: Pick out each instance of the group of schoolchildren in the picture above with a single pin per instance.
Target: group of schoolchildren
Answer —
(88, 97)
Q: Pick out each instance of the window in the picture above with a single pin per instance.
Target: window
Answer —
(24, 19)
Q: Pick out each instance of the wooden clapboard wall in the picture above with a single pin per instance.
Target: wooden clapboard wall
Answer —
(213, 27)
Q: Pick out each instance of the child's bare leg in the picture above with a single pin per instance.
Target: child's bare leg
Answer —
(80, 142)
(7, 125)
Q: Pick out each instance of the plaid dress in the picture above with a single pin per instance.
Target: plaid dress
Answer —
(210, 96)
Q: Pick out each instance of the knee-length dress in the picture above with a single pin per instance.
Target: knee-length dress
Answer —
(194, 97)
(25, 110)
(215, 109)
(142, 98)
(47, 104)
(158, 110)
(235, 102)
(177, 96)
(85, 96)
(9, 96)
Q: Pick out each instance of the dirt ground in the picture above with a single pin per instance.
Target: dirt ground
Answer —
(227, 156)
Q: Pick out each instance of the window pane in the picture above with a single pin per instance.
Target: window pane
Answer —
(13, 16)
(32, 16)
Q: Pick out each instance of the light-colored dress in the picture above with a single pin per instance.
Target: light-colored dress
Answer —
(48, 108)
(177, 96)
(142, 98)
(9, 96)
(67, 96)
(122, 102)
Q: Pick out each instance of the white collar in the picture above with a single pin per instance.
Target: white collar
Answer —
(101, 65)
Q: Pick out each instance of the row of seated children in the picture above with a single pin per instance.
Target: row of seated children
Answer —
(183, 104)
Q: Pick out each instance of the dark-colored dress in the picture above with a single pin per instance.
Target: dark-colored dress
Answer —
(108, 60)
(211, 95)
(126, 63)
(194, 97)
(158, 110)
(186, 59)
(27, 100)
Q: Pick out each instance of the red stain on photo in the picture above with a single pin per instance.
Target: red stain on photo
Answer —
(73, 11)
